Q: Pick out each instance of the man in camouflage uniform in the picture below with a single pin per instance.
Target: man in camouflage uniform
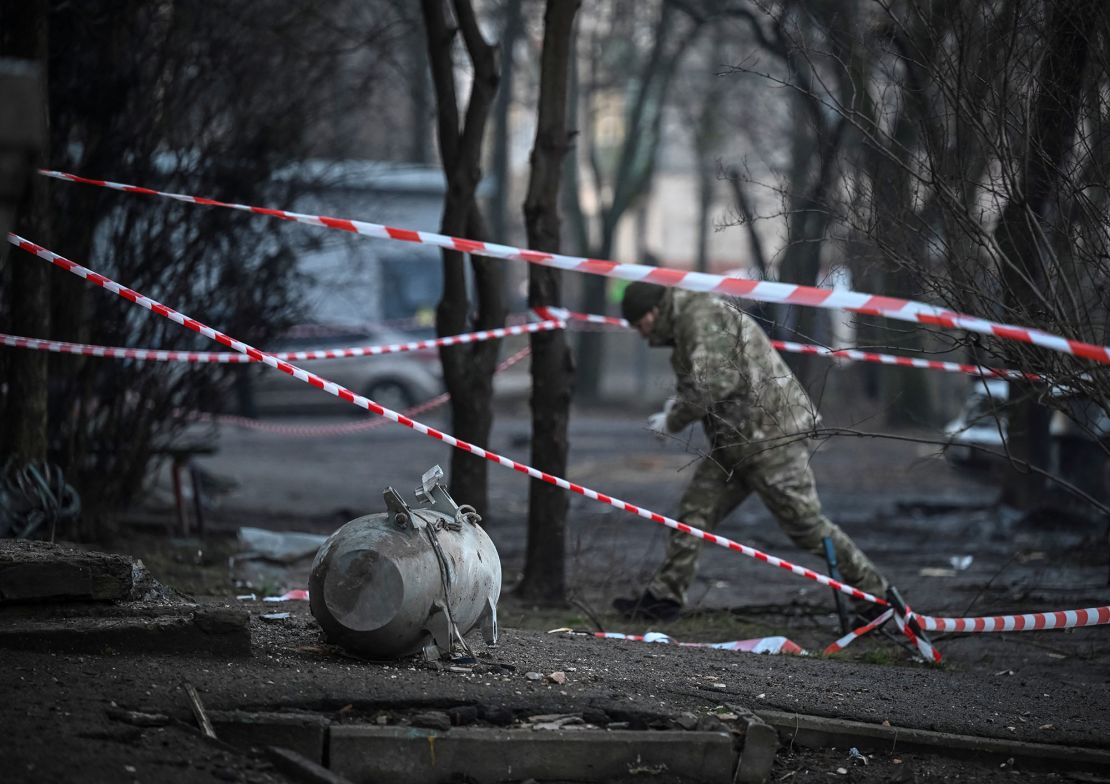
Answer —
(756, 416)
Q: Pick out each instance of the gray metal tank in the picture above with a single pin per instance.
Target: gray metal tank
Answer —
(413, 579)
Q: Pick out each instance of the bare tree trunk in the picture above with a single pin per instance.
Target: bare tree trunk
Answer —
(894, 235)
(467, 369)
(419, 108)
(707, 139)
(552, 366)
(808, 229)
(633, 176)
(24, 35)
(570, 191)
(1050, 131)
(747, 213)
(510, 33)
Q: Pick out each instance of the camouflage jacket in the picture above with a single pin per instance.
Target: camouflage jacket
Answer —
(728, 374)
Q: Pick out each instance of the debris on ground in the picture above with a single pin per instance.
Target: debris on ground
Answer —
(271, 558)
(60, 598)
(768, 645)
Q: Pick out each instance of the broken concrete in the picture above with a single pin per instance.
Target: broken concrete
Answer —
(57, 598)
(193, 630)
(303, 733)
(761, 743)
(300, 769)
(408, 755)
(44, 572)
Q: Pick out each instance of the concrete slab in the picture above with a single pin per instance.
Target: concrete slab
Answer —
(41, 572)
(303, 733)
(300, 769)
(408, 755)
(213, 632)
(761, 743)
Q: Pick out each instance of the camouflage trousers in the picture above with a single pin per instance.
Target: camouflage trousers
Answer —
(784, 481)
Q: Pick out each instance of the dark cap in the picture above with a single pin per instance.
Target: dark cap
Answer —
(639, 298)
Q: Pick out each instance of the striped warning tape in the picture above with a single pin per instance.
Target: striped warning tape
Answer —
(759, 290)
(769, 645)
(857, 355)
(855, 634)
(854, 355)
(345, 394)
(163, 355)
(549, 312)
(160, 355)
(907, 624)
(121, 352)
(1024, 622)
(313, 431)
(328, 330)
(1064, 619)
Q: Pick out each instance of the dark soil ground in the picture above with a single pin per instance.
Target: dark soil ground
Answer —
(907, 508)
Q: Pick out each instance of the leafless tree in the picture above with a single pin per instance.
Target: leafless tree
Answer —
(23, 34)
(648, 41)
(974, 177)
(197, 97)
(552, 366)
(467, 369)
(512, 30)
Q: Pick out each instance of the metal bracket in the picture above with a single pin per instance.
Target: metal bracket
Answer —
(397, 507)
(434, 494)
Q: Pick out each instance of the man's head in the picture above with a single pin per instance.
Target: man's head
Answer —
(640, 303)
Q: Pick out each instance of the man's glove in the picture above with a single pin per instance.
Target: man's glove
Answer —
(657, 423)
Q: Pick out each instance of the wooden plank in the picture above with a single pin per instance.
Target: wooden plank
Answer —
(199, 712)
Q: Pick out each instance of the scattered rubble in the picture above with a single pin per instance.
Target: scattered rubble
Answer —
(58, 598)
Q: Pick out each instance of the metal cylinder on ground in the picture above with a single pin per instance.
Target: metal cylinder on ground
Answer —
(409, 580)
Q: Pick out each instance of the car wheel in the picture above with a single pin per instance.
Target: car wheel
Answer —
(391, 393)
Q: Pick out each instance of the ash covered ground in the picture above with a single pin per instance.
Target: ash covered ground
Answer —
(907, 508)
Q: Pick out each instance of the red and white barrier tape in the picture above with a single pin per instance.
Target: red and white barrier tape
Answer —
(311, 431)
(120, 352)
(332, 330)
(770, 645)
(549, 312)
(855, 634)
(855, 355)
(1064, 619)
(908, 627)
(345, 394)
(159, 355)
(762, 291)
(1025, 622)
(417, 345)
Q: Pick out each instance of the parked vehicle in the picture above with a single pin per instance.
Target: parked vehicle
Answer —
(983, 422)
(396, 381)
(980, 423)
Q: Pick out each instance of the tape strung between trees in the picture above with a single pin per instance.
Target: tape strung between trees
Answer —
(1062, 619)
(760, 291)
